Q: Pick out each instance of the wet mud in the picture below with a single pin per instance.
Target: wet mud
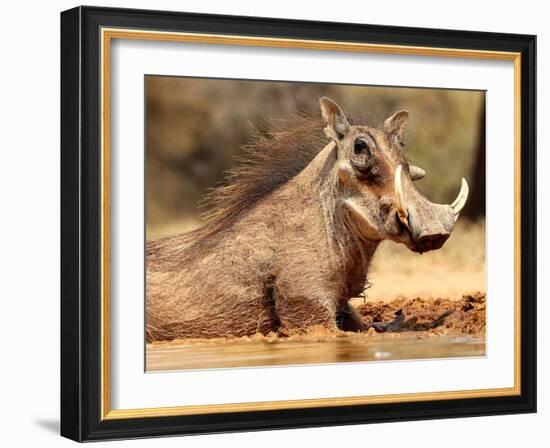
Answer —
(464, 316)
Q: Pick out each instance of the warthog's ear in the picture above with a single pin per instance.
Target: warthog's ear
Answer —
(396, 124)
(335, 119)
(416, 172)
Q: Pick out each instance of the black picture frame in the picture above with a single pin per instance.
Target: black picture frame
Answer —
(81, 207)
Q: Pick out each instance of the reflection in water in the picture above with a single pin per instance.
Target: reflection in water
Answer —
(182, 356)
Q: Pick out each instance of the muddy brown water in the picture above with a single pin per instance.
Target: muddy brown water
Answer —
(183, 356)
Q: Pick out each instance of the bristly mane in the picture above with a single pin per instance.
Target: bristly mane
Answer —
(270, 160)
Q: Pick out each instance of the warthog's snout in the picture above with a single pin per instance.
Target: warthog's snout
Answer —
(429, 224)
(431, 241)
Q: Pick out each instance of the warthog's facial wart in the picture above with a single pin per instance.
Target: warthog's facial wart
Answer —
(377, 184)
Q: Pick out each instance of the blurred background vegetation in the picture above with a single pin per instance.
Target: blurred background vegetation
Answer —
(195, 129)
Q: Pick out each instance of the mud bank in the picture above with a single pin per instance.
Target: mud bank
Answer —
(467, 317)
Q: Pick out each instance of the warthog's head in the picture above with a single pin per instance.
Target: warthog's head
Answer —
(377, 182)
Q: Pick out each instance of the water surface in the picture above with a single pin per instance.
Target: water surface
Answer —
(214, 355)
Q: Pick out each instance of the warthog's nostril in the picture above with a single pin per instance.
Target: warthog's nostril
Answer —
(431, 241)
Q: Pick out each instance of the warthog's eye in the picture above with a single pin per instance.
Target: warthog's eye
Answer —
(364, 162)
(361, 146)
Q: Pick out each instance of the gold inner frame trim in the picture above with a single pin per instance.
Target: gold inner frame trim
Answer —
(107, 35)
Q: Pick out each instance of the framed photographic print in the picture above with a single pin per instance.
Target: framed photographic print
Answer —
(275, 224)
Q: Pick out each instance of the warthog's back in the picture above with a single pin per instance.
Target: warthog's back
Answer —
(210, 287)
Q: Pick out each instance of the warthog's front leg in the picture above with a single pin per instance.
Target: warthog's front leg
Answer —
(391, 326)
(350, 320)
(401, 324)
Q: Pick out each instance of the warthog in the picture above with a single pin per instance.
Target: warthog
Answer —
(289, 239)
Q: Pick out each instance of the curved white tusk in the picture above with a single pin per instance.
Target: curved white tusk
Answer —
(461, 199)
(417, 173)
(399, 198)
